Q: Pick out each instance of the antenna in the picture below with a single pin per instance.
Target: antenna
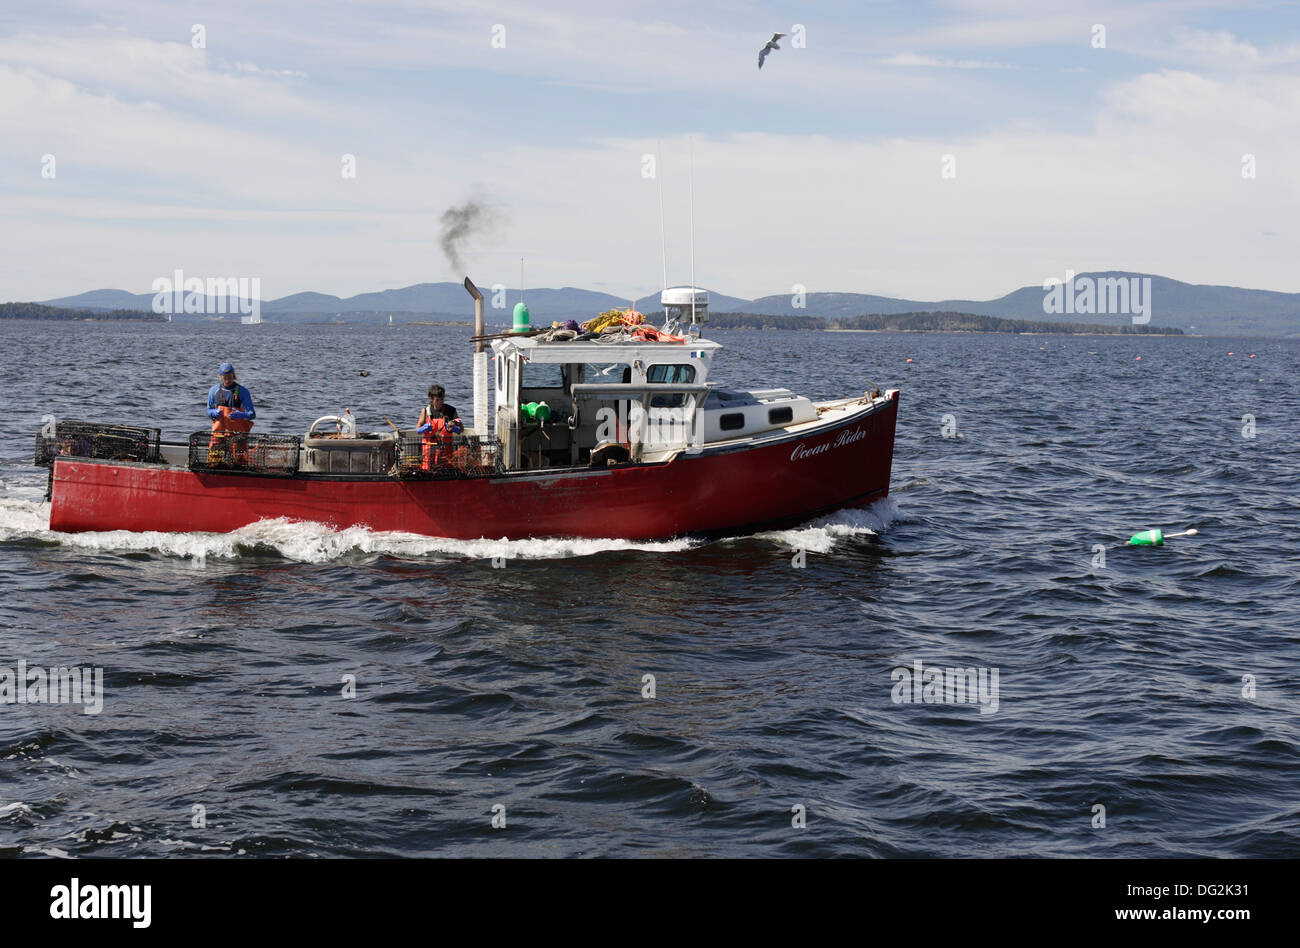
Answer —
(663, 245)
(521, 279)
(692, 141)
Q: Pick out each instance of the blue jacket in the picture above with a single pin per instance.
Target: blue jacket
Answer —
(237, 398)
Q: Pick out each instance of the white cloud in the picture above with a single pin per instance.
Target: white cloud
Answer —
(98, 138)
(771, 211)
(254, 68)
(1204, 112)
(1012, 24)
(1220, 49)
(937, 62)
(131, 67)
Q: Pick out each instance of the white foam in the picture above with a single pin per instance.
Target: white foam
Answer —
(51, 851)
(823, 534)
(179, 842)
(21, 518)
(305, 542)
(19, 807)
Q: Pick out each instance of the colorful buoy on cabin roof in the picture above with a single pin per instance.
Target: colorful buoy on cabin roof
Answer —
(522, 321)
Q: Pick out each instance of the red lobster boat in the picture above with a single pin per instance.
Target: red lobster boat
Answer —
(610, 434)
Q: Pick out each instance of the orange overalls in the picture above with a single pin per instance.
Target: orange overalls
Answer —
(437, 444)
(225, 438)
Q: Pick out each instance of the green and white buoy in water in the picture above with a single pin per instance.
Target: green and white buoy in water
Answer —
(1155, 537)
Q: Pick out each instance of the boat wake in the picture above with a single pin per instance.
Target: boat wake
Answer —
(306, 542)
(825, 533)
(303, 542)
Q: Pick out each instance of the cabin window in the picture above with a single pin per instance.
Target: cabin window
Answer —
(543, 375)
(780, 416)
(677, 374)
(672, 375)
(604, 373)
(732, 421)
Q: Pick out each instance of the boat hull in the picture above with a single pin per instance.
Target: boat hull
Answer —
(720, 491)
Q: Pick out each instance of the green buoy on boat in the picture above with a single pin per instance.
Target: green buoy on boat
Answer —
(538, 412)
(522, 322)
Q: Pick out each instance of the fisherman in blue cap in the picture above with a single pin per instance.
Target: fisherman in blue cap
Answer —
(230, 395)
(231, 409)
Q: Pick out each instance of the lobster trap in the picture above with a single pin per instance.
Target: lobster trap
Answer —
(243, 451)
(447, 457)
(88, 439)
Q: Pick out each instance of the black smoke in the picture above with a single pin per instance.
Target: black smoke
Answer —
(461, 224)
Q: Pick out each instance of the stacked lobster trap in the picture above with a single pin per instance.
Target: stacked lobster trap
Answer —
(89, 439)
(243, 451)
(424, 457)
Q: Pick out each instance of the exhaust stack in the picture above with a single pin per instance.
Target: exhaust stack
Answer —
(480, 362)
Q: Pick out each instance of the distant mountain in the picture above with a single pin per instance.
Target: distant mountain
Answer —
(833, 305)
(103, 299)
(1217, 310)
(450, 299)
(440, 300)
(120, 299)
(305, 303)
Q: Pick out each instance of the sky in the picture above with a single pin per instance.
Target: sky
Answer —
(926, 150)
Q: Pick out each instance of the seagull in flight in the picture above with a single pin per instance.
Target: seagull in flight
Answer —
(771, 45)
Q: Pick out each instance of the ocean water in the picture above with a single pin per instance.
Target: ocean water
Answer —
(1156, 689)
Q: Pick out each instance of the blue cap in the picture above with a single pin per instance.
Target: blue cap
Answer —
(225, 367)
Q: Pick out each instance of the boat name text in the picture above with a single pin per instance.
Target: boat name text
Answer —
(845, 437)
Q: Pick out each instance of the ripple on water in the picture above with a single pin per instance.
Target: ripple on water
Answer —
(680, 698)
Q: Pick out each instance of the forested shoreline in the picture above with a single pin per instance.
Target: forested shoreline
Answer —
(929, 322)
(41, 311)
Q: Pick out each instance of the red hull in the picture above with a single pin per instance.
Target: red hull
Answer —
(717, 492)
